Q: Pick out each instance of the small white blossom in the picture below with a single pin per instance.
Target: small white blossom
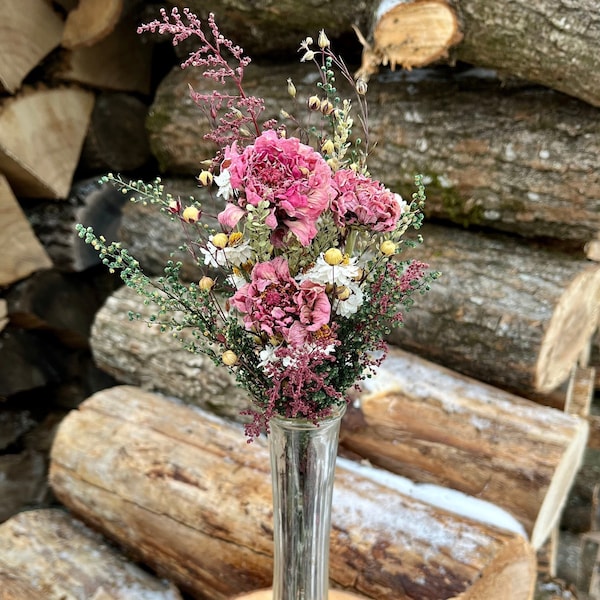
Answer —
(223, 181)
(236, 255)
(348, 307)
(342, 274)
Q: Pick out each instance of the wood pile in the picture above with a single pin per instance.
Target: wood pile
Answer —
(491, 384)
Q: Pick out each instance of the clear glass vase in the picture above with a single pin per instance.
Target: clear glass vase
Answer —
(303, 459)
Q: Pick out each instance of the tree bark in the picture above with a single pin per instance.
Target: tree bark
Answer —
(508, 314)
(22, 253)
(561, 54)
(88, 202)
(156, 487)
(29, 31)
(430, 424)
(519, 160)
(42, 166)
(49, 554)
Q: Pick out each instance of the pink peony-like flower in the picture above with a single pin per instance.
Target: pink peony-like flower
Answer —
(274, 303)
(364, 201)
(291, 176)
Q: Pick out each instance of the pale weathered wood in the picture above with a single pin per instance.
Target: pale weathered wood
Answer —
(433, 425)
(41, 135)
(51, 555)
(121, 61)
(509, 314)
(22, 253)
(90, 21)
(164, 487)
(3, 314)
(491, 156)
(29, 30)
(407, 34)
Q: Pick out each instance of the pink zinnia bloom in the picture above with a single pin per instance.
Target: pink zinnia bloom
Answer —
(274, 303)
(364, 201)
(291, 176)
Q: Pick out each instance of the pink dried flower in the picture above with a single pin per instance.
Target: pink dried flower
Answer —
(275, 304)
(364, 201)
(291, 176)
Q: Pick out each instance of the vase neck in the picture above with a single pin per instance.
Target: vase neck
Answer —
(302, 465)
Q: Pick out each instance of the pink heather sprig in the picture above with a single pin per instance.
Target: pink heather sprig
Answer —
(296, 376)
(241, 120)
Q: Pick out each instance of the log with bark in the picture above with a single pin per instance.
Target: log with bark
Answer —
(422, 432)
(116, 139)
(156, 485)
(519, 160)
(29, 31)
(560, 55)
(22, 253)
(431, 424)
(506, 312)
(37, 165)
(49, 554)
(509, 314)
(88, 202)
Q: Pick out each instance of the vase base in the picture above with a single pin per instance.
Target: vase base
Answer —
(267, 595)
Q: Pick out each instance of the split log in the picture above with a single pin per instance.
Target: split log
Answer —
(494, 157)
(29, 31)
(116, 140)
(22, 253)
(88, 202)
(155, 487)
(48, 553)
(90, 21)
(509, 314)
(408, 33)
(430, 424)
(119, 62)
(43, 165)
(3, 314)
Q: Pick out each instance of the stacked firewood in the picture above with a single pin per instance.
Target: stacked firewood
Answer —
(480, 427)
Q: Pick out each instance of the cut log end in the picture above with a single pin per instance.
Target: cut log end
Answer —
(91, 21)
(571, 327)
(411, 34)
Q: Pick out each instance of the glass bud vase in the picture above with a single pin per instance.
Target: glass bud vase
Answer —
(303, 459)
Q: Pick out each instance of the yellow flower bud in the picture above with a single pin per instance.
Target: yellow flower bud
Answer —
(328, 147)
(388, 248)
(220, 240)
(342, 292)
(191, 214)
(205, 178)
(206, 283)
(229, 358)
(291, 88)
(327, 107)
(333, 256)
(314, 103)
(323, 40)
